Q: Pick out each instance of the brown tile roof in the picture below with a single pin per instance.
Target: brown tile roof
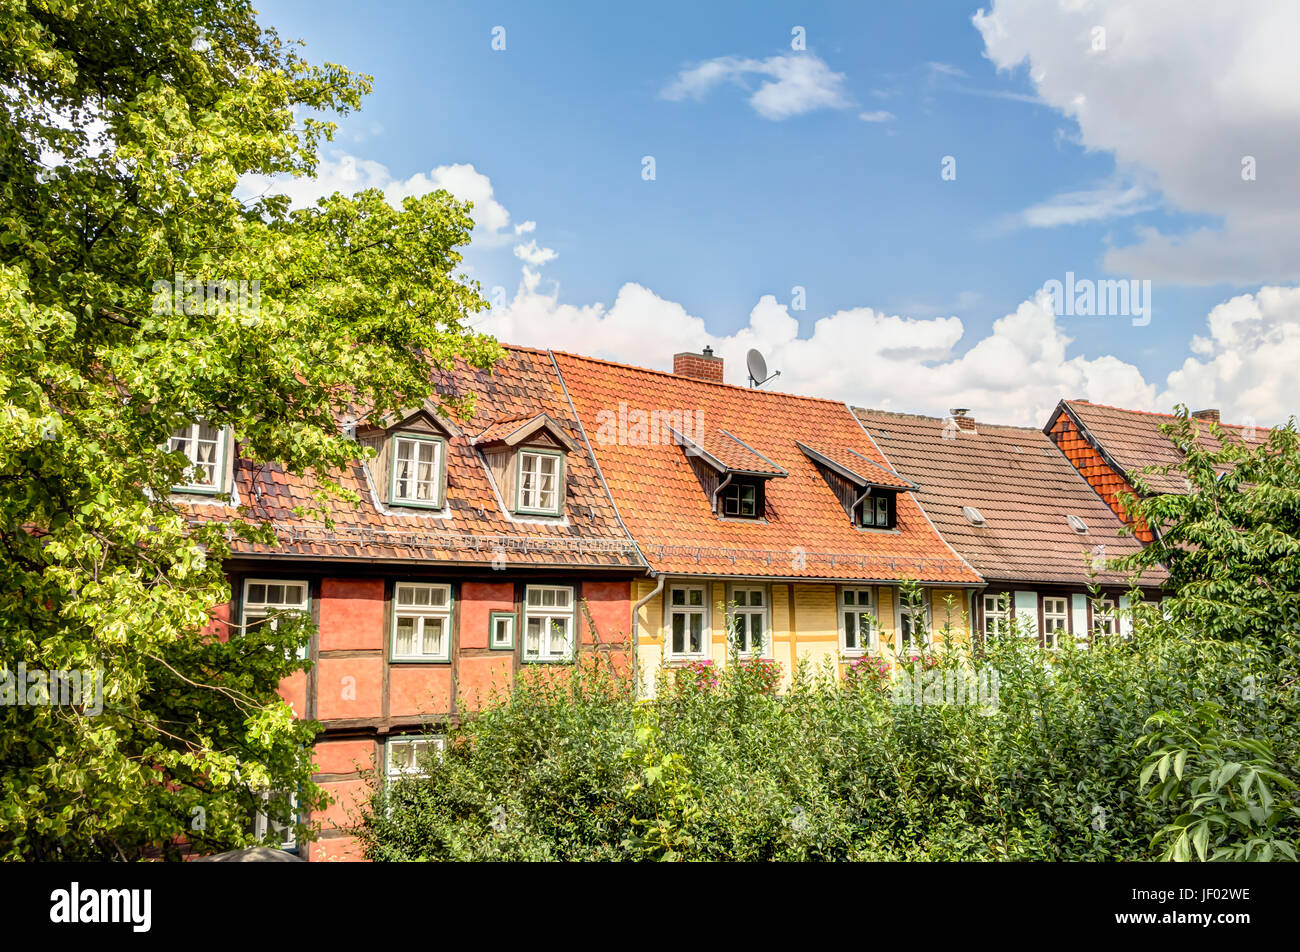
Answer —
(807, 533)
(1132, 439)
(476, 528)
(1019, 482)
(856, 467)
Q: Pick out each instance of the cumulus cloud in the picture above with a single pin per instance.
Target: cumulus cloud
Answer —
(347, 173)
(790, 84)
(1246, 364)
(1193, 93)
(532, 254)
(1015, 374)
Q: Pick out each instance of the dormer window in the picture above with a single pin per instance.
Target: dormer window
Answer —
(525, 456)
(417, 466)
(742, 498)
(876, 511)
(867, 490)
(205, 446)
(409, 468)
(540, 474)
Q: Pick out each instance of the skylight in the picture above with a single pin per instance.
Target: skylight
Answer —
(1077, 524)
(974, 515)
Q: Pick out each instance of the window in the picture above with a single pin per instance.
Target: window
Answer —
(282, 830)
(1104, 618)
(749, 618)
(501, 631)
(914, 623)
(858, 614)
(997, 614)
(421, 622)
(417, 471)
(406, 755)
(875, 511)
(686, 613)
(203, 445)
(1056, 620)
(268, 601)
(740, 498)
(548, 623)
(539, 482)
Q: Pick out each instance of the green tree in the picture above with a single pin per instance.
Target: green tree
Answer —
(1232, 541)
(125, 127)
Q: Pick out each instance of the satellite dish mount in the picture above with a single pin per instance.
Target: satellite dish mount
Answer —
(758, 374)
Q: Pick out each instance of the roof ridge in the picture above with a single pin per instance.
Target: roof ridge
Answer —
(696, 380)
(1167, 416)
(939, 419)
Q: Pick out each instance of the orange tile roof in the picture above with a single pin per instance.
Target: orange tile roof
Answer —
(477, 529)
(807, 533)
(1132, 439)
(1023, 487)
(727, 453)
(865, 472)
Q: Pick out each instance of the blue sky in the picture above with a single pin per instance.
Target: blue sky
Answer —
(819, 168)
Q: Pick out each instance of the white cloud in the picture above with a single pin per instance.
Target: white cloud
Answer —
(795, 83)
(1246, 366)
(880, 115)
(347, 173)
(1087, 205)
(1184, 91)
(1015, 374)
(532, 254)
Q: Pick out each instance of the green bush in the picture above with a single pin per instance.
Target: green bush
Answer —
(1044, 765)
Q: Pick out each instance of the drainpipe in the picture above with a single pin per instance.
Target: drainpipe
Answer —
(636, 608)
(721, 486)
(857, 502)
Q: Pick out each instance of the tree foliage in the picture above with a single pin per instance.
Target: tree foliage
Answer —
(125, 128)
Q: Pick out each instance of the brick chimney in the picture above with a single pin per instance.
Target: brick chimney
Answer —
(961, 417)
(699, 366)
(1211, 416)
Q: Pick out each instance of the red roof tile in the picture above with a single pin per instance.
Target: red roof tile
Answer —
(807, 534)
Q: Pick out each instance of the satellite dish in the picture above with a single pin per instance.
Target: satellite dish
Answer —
(758, 374)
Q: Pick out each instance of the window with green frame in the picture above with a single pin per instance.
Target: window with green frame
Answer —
(418, 463)
(539, 487)
(501, 631)
(548, 622)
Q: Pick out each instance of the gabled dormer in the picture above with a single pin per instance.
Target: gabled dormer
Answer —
(526, 456)
(409, 469)
(867, 490)
(733, 473)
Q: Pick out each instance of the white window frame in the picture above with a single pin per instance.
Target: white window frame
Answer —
(905, 615)
(439, 464)
(687, 610)
(873, 626)
(521, 504)
(1052, 637)
(263, 824)
(218, 463)
(421, 615)
(550, 616)
(743, 616)
(412, 742)
(269, 611)
(1001, 614)
(739, 487)
(493, 619)
(874, 502)
(1105, 618)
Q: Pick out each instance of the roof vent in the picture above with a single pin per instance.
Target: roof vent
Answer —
(1077, 524)
(974, 515)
